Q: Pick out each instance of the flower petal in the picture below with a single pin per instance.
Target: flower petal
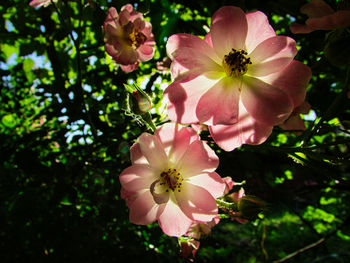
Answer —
(173, 221)
(246, 131)
(138, 177)
(179, 41)
(196, 202)
(176, 140)
(145, 52)
(265, 103)
(219, 105)
(259, 30)
(212, 182)
(293, 79)
(183, 97)
(129, 68)
(153, 150)
(143, 210)
(190, 58)
(197, 159)
(228, 30)
(274, 48)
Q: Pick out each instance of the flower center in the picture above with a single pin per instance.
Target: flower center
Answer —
(171, 179)
(236, 63)
(134, 38)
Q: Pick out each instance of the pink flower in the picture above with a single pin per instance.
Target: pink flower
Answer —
(172, 180)
(239, 80)
(38, 3)
(128, 37)
(321, 17)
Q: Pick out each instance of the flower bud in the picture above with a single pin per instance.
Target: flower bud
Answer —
(138, 102)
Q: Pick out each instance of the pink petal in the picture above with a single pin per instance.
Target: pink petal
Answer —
(179, 41)
(111, 16)
(316, 8)
(197, 159)
(246, 131)
(207, 39)
(129, 68)
(265, 103)
(128, 7)
(259, 30)
(294, 122)
(146, 52)
(143, 210)
(124, 17)
(147, 31)
(297, 28)
(228, 30)
(229, 183)
(183, 97)
(139, 24)
(175, 139)
(219, 105)
(196, 202)
(173, 221)
(138, 177)
(190, 58)
(212, 182)
(136, 155)
(274, 48)
(153, 150)
(337, 20)
(293, 79)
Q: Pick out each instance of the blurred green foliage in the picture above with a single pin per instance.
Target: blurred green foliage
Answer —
(64, 139)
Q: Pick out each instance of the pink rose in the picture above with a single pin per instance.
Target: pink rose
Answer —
(128, 37)
(321, 17)
(172, 180)
(240, 80)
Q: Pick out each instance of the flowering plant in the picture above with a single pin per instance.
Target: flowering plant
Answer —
(161, 128)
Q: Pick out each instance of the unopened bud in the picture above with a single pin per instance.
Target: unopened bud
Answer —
(138, 102)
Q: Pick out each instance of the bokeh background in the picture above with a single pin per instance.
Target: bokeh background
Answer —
(65, 133)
